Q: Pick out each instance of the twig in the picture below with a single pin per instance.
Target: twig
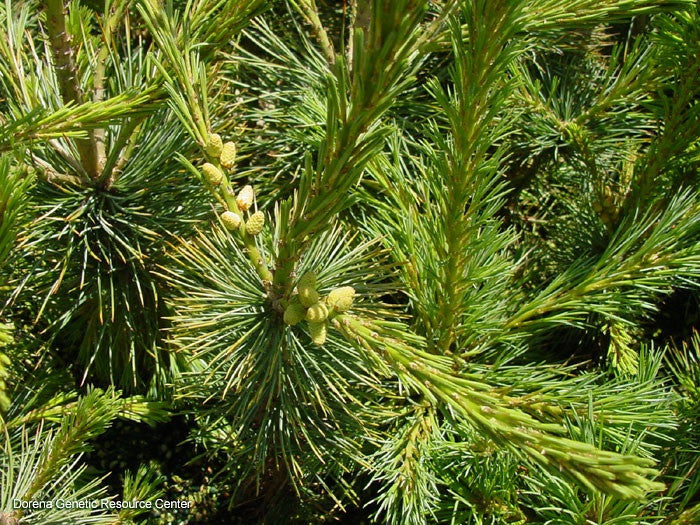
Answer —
(47, 173)
(67, 73)
(308, 9)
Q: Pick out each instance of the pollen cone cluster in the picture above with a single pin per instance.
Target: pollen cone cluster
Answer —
(606, 207)
(308, 306)
(225, 153)
(232, 220)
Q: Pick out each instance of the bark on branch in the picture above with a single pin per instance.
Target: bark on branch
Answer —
(69, 84)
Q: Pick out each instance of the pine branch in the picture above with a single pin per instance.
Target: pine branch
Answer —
(217, 22)
(22, 459)
(132, 408)
(42, 472)
(555, 15)
(383, 60)
(408, 486)
(143, 485)
(469, 171)
(678, 51)
(542, 18)
(622, 475)
(13, 186)
(646, 255)
(191, 79)
(39, 125)
(176, 47)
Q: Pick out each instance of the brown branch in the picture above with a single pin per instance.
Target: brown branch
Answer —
(117, 11)
(309, 11)
(69, 85)
(351, 38)
(48, 174)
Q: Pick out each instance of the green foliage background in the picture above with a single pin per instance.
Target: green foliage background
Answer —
(510, 187)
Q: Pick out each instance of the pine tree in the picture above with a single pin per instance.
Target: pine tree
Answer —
(386, 262)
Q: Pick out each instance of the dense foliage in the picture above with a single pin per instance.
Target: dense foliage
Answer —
(379, 261)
